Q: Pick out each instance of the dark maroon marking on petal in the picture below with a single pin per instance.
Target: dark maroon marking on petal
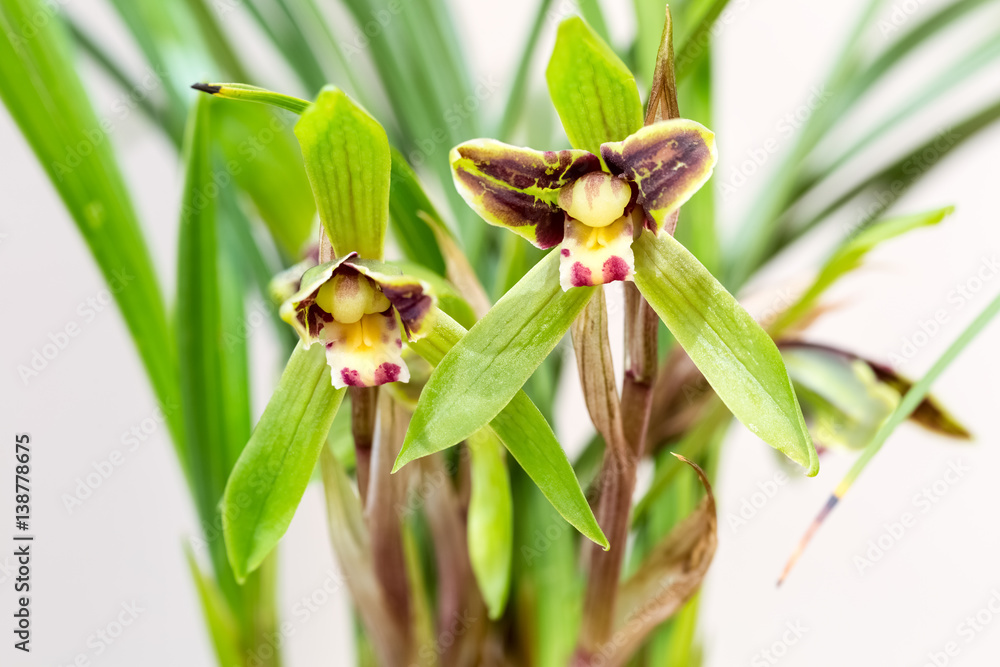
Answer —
(615, 268)
(565, 252)
(656, 160)
(515, 209)
(549, 233)
(351, 378)
(648, 222)
(522, 168)
(580, 276)
(387, 372)
(312, 316)
(410, 302)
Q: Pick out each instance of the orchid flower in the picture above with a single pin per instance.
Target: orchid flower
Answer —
(354, 308)
(587, 205)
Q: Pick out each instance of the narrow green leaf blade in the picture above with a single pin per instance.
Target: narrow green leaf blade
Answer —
(849, 256)
(491, 521)
(212, 367)
(44, 95)
(526, 435)
(591, 88)
(272, 473)
(411, 231)
(487, 367)
(347, 160)
(222, 626)
(270, 172)
(736, 356)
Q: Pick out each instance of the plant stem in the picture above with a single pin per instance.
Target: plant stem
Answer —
(364, 402)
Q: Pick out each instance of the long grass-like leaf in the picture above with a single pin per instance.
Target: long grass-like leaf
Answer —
(911, 401)
(41, 89)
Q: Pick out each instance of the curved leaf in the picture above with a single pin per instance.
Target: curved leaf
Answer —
(272, 473)
(486, 368)
(526, 435)
(737, 357)
(491, 521)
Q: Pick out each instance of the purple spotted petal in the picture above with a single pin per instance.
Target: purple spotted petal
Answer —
(518, 188)
(668, 161)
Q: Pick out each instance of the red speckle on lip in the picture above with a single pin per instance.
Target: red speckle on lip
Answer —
(580, 276)
(615, 268)
(351, 378)
(386, 373)
(565, 252)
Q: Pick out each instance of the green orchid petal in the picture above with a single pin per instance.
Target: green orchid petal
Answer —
(596, 255)
(518, 188)
(668, 161)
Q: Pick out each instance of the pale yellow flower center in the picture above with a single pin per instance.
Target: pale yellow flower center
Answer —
(349, 297)
(597, 199)
(601, 237)
(362, 335)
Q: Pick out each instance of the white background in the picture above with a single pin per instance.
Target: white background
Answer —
(123, 545)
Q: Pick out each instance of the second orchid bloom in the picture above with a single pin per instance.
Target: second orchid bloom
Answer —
(351, 308)
(589, 205)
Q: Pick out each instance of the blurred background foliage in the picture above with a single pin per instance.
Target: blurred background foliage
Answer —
(406, 62)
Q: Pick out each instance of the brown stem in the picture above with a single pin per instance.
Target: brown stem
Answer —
(597, 378)
(461, 612)
(386, 496)
(619, 468)
(364, 403)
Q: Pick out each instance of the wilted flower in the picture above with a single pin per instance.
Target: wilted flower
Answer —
(354, 308)
(583, 202)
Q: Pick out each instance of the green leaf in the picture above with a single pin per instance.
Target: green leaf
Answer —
(849, 256)
(212, 360)
(247, 93)
(526, 435)
(591, 88)
(222, 626)
(736, 356)
(347, 159)
(44, 95)
(847, 401)
(522, 75)
(273, 471)
(411, 230)
(915, 396)
(270, 172)
(487, 367)
(491, 521)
